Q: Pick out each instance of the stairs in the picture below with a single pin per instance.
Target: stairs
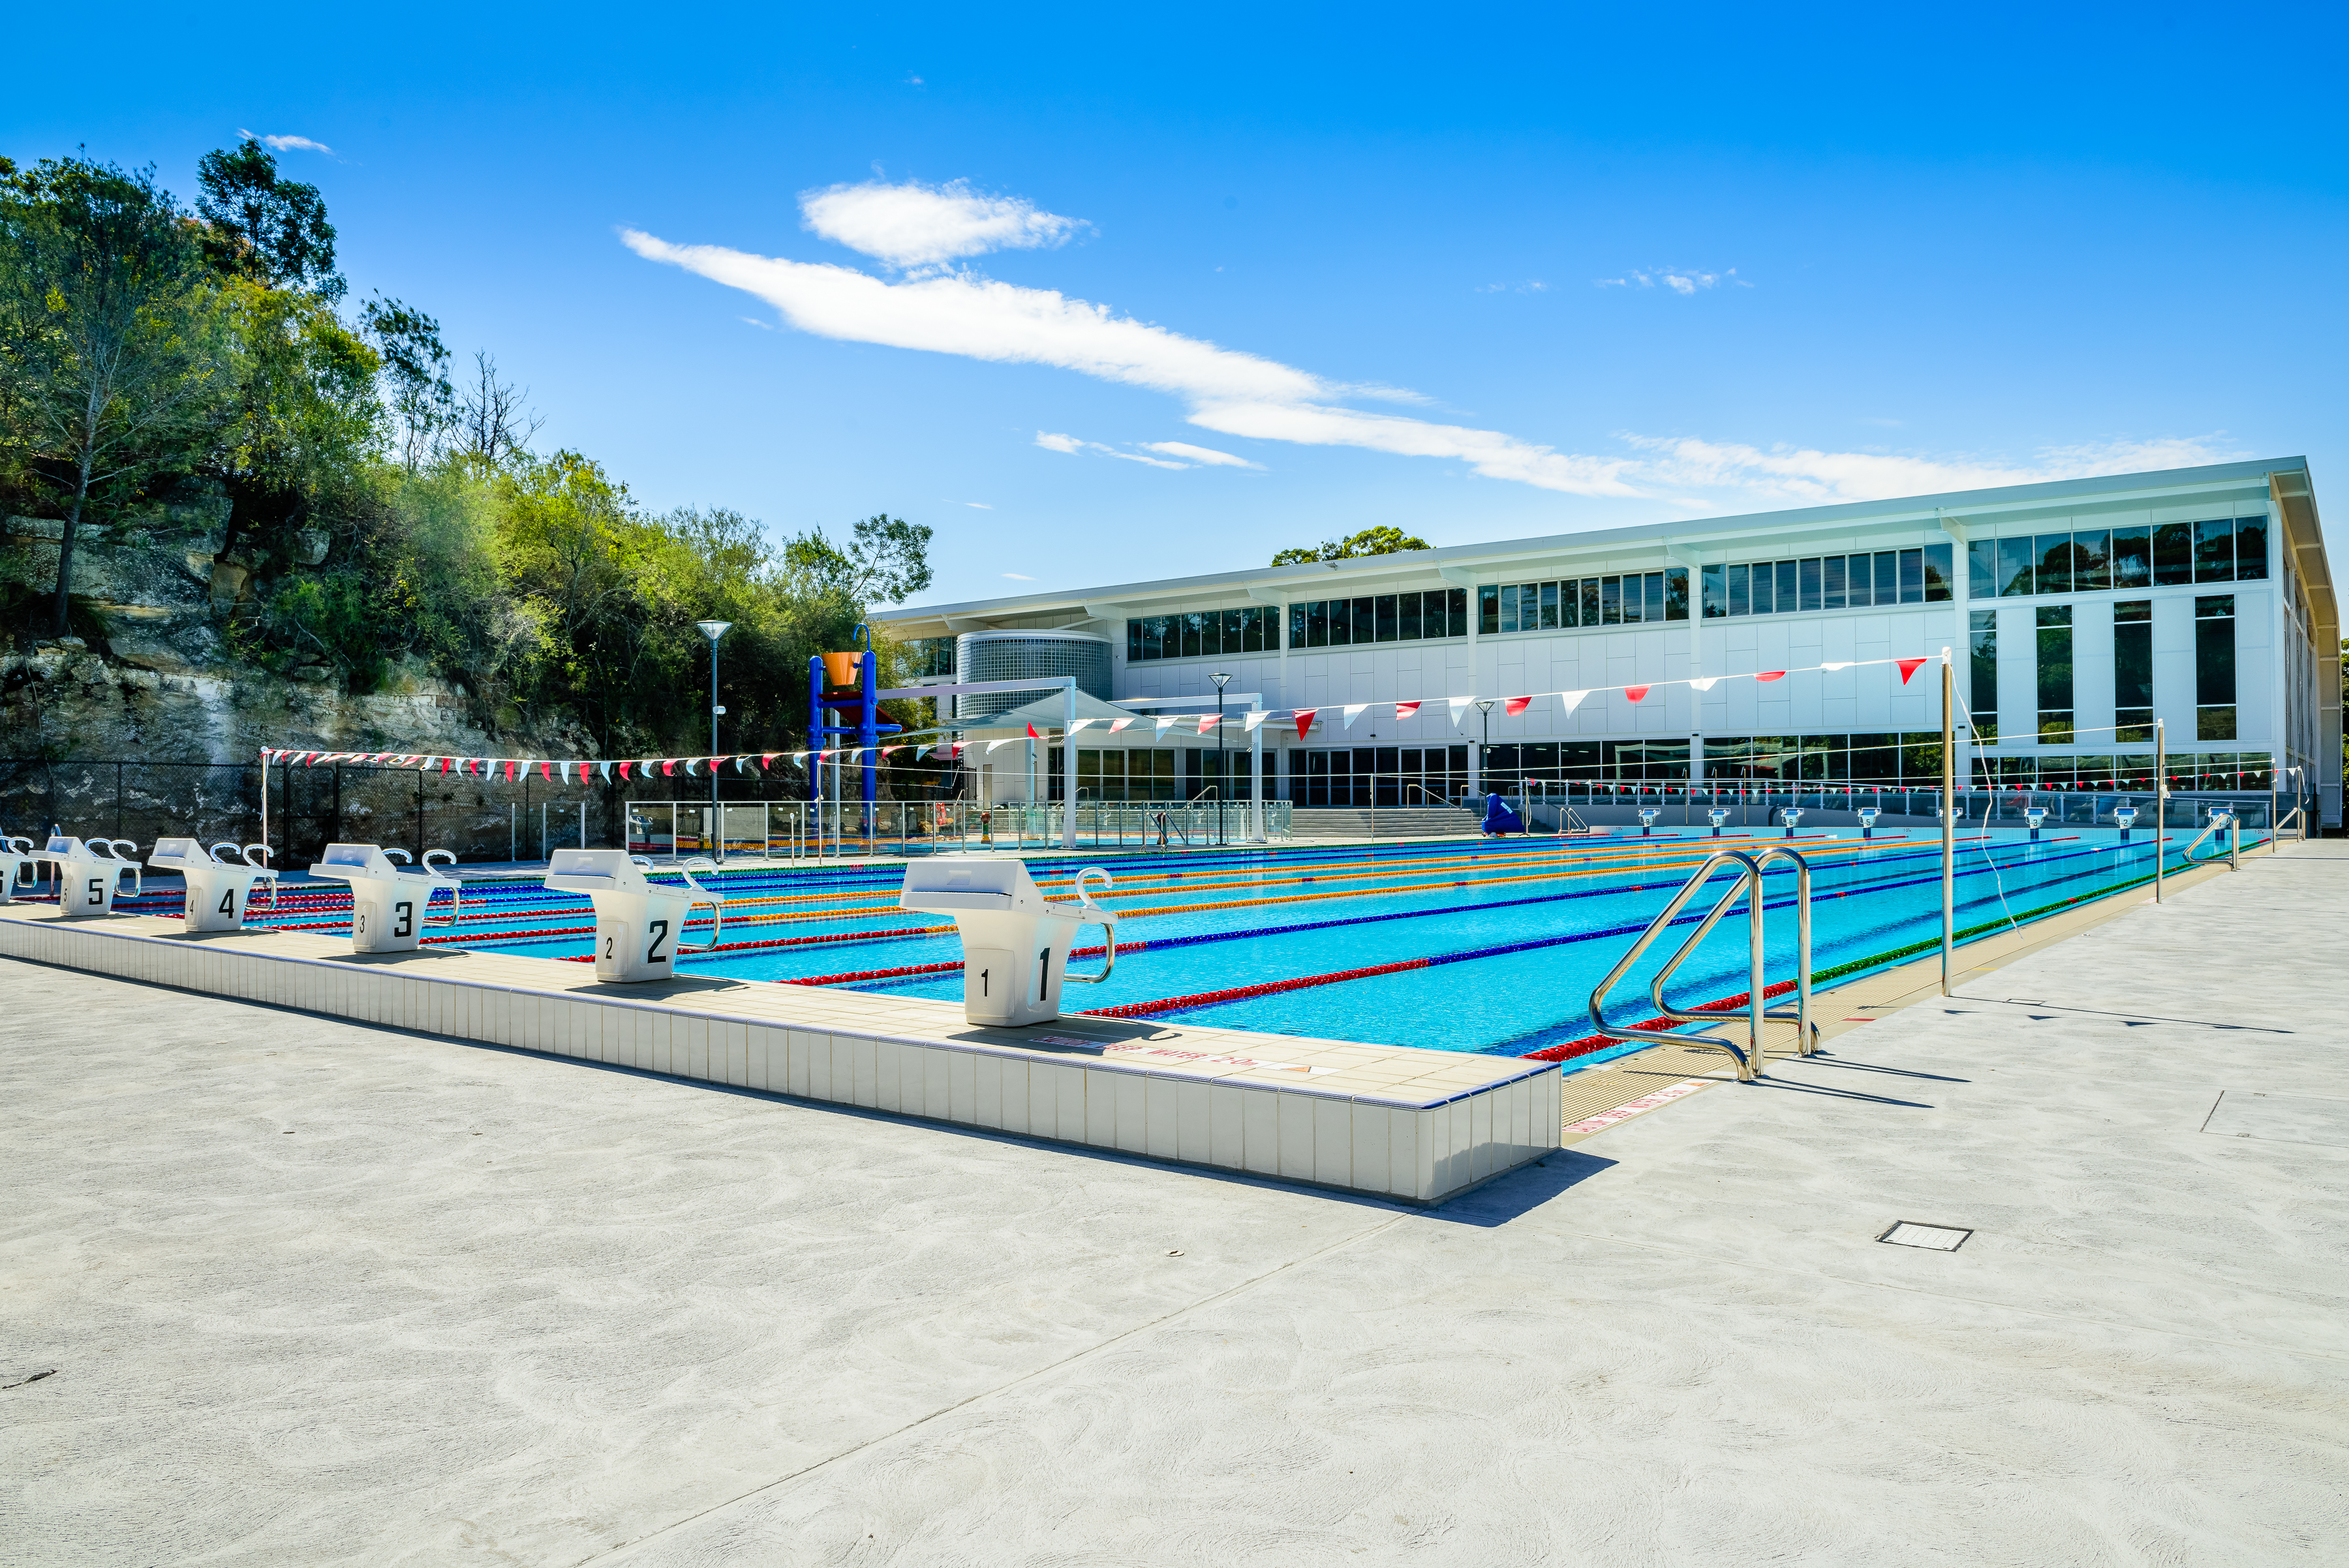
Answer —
(1383, 822)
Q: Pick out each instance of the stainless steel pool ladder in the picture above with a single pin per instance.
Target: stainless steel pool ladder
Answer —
(2233, 823)
(1747, 884)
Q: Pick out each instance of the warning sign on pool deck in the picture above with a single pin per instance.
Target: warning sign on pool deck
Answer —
(1638, 1108)
(1201, 1059)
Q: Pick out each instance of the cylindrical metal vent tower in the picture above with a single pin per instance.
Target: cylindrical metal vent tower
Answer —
(1027, 656)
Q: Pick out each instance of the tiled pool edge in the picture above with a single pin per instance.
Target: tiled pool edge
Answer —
(1407, 1149)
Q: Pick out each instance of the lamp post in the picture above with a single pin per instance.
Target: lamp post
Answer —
(1222, 781)
(713, 631)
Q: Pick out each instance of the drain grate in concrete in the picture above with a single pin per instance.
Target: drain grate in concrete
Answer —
(1938, 1237)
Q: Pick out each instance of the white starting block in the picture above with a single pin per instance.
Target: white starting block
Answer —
(388, 900)
(89, 873)
(17, 863)
(1015, 941)
(218, 888)
(637, 920)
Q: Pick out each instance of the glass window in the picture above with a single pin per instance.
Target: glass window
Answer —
(1912, 576)
(1549, 605)
(1296, 633)
(2132, 557)
(1713, 583)
(1982, 671)
(1407, 615)
(2053, 553)
(1365, 621)
(1153, 636)
(1940, 582)
(1508, 607)
(1383, 617)
(1569, 603)
(2014, 568)
(1489, 610)
(1263, 631)
(2214, 551)
(1789, 576)
(1831, 585)
(1237, 624)
(2054, 651)
(1456, 610)
(1982, 568)
(2251, 549)
(1317, 624)
(1854, 589)
(1807, 580)
(1610, 601)
(1676, 593)
(1591, 601)
(1133, 640)
(2092, 560)
(1888, 577)
(1740, 603)
(2173, 553)
(2133, 670)
(1651, 595)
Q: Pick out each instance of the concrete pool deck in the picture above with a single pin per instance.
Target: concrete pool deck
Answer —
(321, 1293)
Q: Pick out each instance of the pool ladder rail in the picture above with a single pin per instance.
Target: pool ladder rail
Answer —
(1748, 884)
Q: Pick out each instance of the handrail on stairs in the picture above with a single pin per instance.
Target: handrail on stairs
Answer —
(1747, 883)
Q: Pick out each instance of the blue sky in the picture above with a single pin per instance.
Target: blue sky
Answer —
(1472, 275)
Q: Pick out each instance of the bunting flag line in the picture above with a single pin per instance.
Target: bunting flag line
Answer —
(1304, 717)
(1117, 724)
(1353, 710)
(1033, 734)
(1569, 701)
(1164, 725)
(1910, 667)
(1459, 706)
(1517, 705)
(1636, 693)
(1256, 718)
(1208, 722)
(1404, 710)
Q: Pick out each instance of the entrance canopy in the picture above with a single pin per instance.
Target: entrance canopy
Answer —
(1047, 712)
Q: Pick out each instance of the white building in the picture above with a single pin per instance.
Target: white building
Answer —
(2078, 613)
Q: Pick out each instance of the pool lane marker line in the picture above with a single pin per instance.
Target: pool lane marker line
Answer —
(1302, 982)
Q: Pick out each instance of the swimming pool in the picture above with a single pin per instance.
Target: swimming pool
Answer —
(1490, 946)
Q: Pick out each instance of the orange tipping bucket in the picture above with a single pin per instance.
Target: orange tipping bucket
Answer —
(841, 669)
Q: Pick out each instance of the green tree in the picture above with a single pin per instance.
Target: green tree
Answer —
(262, 228)
(105, 336)
(301, 420)
(416, 376)
(1380, 541)
(886, 560)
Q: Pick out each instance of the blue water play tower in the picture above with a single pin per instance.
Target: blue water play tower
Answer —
(848, 680)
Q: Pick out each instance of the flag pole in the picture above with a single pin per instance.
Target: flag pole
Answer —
(1949, 816)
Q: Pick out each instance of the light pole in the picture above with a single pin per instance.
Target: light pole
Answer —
(1222, 781)
(713, 631)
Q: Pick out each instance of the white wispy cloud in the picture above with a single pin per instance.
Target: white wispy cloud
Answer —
(287, 143)
(1679, 280)
(914, 226)
(1236, 393)
(1809, 475)
(1019, 576)
(1052, 441)
(982, 506)
(1230, 392)
(1206, 456)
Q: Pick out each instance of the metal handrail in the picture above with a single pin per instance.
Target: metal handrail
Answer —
(1806, 1033)
(2227, 820)
(1748, 878)
(1749, 884)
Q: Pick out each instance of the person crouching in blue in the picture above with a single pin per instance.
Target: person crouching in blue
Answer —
(1499, 820)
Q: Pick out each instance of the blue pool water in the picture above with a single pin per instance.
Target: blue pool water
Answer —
(1504, 939)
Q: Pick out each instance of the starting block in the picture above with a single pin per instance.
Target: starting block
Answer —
(1015, 941)
(89, 874)
(637, 920)
(388, 900)
(218, 889)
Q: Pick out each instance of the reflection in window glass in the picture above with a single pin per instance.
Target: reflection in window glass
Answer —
(1786, 573)
(2014, 568)
(1740, 601)
(1941, 581)
(2092, 560)
(2054, 554)
(2173, 553)
(1810, 575)
(1713, 583)
(2132, 557)
(2251, 549)
(2214, 551)
(1651, 595)
(2054, 650)
(1912, 576)
(2133, 670)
